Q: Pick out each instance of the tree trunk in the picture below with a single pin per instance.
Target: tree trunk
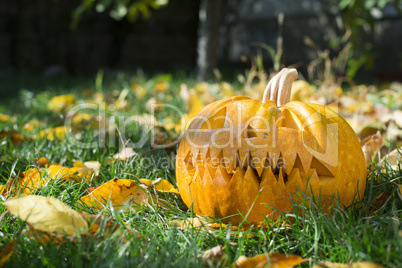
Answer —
(208, 37)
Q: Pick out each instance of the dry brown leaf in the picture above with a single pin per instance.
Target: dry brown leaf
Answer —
(215, 256)
(379, 201)
(327, 264)
(117, 192)
(371, 145)
(125, 154)
(7, 251)
(273, 259)
(393, 158)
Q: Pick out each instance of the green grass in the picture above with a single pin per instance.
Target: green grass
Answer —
(359, 232)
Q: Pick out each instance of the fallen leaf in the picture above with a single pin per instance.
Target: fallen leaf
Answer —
(379, 201)
(393, 158)
(227, 89)
(94, 166)
(7, 251)
(41, 161)
(215, 256)
(160, 185)
(30, 125)
(81, 121)
(60, 103)
(327, 264)
(34, 178)
(16, 138)
(117, 192)
(47, 214)
(273, 259)
(189, 223)
(301, 91)
(161, 86)
(400, 190)
(125, 153)
(53, 133)
(4, 118)
(371, 146)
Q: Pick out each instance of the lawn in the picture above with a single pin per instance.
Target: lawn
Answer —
(114, 113)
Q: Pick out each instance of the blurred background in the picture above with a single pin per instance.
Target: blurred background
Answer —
(346, 38)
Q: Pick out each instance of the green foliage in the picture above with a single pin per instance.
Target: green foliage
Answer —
(118, 9)
(359, 18)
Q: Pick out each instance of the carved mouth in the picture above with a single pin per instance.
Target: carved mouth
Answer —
(256, 164)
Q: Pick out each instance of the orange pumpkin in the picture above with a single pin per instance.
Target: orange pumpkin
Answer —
(243, 157)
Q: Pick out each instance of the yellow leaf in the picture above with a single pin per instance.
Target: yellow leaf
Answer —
(30, 125)
(59, 103)
(161, 86)
(32, 179)
(58, 172)
(227, 89)
(328, 264)
(160, 185)
(273, 259)
(52, 133)
(47, 214)
(7, 251)
(194, 104)
(4, 118)
(301, 91)
(80, 121)
(16, 138)
(117, 192)
(41, 161)
(400, 190)
(78, 164)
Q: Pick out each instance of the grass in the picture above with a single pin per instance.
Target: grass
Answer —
(361, 232)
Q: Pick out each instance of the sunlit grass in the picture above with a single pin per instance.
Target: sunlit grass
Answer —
(368, 230)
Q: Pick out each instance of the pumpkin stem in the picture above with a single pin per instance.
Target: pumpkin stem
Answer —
(279, 88)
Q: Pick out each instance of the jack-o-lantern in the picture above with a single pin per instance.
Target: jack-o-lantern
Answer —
(243, 157)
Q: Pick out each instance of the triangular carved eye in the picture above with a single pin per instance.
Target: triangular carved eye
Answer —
(249, 132)
(322, 171)
(216, 121)
(289, 120)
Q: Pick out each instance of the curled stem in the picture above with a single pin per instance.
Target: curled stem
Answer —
(279, 88)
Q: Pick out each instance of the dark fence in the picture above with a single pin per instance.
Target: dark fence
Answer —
(35, 35)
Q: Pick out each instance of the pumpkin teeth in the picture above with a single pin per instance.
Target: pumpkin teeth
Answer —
(294, 180)
(245, 158)
(289, 161)
(268, 178)
(274, 157)
(281, 179)
(222, 176)
(230, 159)
(251, 175)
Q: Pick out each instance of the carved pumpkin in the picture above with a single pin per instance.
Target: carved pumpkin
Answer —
(240, 156)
